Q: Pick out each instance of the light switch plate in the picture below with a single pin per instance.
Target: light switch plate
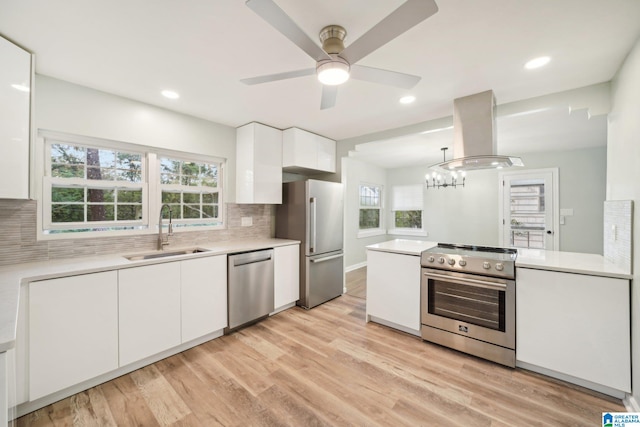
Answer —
(246, 221)
(566, 212)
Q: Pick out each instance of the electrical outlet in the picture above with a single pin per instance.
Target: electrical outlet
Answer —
(246, 221)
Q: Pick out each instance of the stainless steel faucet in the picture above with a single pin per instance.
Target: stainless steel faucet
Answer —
(161, 241)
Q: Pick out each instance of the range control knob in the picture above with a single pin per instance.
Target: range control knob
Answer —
(486, 265)
(499, 267)
(431, 259)
(451, 261)
(441, 260)
(462, 263)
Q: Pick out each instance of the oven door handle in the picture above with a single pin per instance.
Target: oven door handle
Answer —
(473, 282)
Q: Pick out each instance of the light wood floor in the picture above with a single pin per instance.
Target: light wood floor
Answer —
(356, 282)
(323, 367)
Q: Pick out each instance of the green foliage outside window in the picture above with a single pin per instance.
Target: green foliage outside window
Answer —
(408, 219)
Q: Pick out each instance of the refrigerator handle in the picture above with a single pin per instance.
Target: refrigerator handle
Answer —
(312, 225)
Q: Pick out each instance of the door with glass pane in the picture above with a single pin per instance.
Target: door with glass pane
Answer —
(528, 210)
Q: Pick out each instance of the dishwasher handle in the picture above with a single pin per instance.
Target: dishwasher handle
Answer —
(239, 261)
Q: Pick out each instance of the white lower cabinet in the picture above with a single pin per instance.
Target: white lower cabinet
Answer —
(286, 275)
(203, 296)
(73, 331)
(149, 310)
(576, 325)
(393, 290)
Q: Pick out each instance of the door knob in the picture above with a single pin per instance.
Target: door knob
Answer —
(549, 232)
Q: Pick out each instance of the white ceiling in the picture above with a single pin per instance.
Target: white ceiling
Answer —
(202, 48)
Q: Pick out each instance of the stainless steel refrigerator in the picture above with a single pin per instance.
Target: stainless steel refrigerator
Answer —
(312, 212)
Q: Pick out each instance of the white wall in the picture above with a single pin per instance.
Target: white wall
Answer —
(355, 172)
(66, 107)
(623, 179)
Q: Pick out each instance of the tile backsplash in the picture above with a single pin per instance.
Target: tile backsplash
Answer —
(618, 232)
(18, 228)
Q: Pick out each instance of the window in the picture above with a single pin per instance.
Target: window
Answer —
(370, 212)
(191, 189)
(89, 188)
(407, 205)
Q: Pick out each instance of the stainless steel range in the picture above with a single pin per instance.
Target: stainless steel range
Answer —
(468, 297)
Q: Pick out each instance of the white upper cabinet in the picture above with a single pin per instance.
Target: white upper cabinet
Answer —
(258, 164)
(15, 109)
(307, 153)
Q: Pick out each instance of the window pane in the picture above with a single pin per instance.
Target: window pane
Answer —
(106, 158)
(59, 194)
(170, 166)
(408, 219)
(190, 211)
(99, 212)
(369, 218)
(175, 212)
(129, 212)
(129, 196)
(169, 197)
(207, 211)
(68, 154)
(369, 195)
(209, 175)
(169, 178)
(67, 171)
(98, 195)
(101, 174)
(67, 213)
(191, 198)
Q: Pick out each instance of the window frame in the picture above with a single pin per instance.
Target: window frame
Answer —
(151, 191)
(406, 231)
(190, 223)
(380, 230)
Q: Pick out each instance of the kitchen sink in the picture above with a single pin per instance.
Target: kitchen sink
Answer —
(158, 254)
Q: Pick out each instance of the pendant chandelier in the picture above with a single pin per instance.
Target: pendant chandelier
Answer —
(451, 179)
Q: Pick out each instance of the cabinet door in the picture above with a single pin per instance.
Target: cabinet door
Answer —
(574, 324)
(287, 275)
(149, 302)
(15, 110)
(258, 164)
(73, 331)
(203, 296)
(393, 288)
(326, 152)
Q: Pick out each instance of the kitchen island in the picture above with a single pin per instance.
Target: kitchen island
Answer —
(572, 310)
(393, 283)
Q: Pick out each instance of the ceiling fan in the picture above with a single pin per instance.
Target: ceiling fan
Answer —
(335, 64)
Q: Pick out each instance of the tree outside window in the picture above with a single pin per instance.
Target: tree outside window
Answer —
(370, 206)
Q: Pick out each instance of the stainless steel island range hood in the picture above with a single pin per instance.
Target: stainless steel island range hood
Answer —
(474, 136)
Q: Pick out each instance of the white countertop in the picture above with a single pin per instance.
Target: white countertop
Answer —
(570, 262)
(11, 277)
(403, 246)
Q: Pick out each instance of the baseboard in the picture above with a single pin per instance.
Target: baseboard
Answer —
(631, 403)
(355, 266)
(618, 394)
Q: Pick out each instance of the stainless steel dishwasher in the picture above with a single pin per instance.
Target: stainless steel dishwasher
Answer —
(250, 287)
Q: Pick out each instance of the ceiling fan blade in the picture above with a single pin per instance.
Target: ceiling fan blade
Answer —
(279, 76)
(408, 15)
(385, 77)
(270, 12)
(329, 94)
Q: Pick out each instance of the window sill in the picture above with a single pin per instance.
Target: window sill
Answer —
(408, 232)
(370, 233)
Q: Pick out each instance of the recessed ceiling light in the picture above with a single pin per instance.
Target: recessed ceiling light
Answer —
(407, 99)
(170, 94)
(537, 62)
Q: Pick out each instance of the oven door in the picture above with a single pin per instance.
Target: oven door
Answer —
(474, 306)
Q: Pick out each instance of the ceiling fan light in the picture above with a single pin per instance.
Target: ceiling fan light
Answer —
(333, 72)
